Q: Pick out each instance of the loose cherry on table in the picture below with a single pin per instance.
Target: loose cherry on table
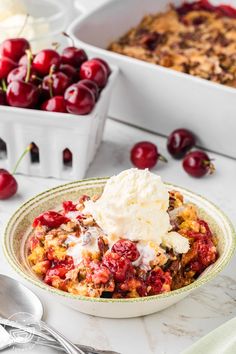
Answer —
(145, 155)
(198, 164)
(44, 60)
(79, 99)
(22, 94)
(6, 65)
(94, 70)
(55, 84)
(73, 56)
(180, 141)
(54, 104)
(8, 184)
(14, 48)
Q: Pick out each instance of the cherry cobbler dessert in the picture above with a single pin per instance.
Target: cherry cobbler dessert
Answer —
(136, 239)
(196, 38)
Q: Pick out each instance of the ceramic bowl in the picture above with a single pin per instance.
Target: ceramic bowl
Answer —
(19, 228)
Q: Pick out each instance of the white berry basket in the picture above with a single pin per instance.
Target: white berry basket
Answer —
(53, 133)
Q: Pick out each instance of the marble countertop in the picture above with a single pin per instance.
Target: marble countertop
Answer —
(166, 332)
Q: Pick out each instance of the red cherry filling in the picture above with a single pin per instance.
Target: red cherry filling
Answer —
(145, 155)
(51, 219)
(22, 94)
(44, 60)
(8, 184)
(54, 104)
(158, 282)
(198, 164)
(79, 99)
(119, 266)
(127, 249)
(95, 71)
(59, 269)
(14, 48)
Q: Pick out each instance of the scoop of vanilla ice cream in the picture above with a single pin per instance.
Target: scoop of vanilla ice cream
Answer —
(133, 206)
(175, 241)
(11, 7)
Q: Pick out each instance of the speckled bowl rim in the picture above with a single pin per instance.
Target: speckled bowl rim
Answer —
(94, 181)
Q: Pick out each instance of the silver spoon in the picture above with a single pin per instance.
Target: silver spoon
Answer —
(16, 298)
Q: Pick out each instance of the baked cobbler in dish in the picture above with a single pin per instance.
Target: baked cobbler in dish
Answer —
(146, 242)
(196, 38)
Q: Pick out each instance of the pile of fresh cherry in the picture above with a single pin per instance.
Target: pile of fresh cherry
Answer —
(196, 163)
(49, 81)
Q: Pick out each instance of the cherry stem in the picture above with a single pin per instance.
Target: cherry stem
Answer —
(56, 45)
(29, 59)
(52, 69)
(23, 26)
(67, 36)
(4, 86)
(210, 166)
(29, 147)
(162, 158)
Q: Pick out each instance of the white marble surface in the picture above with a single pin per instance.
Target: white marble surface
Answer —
(171, 330)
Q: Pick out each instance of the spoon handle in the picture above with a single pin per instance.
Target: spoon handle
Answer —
(68, 345)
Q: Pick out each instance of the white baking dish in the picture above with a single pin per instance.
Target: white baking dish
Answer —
(53, 133)
(151, 96)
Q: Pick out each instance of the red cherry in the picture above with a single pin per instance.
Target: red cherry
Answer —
(108, 69)
(44, 60)
(197, 164)
(8, 184)
(3, 100)
(17, 74)
(6, 65)
(95, 71)
(79, 99)
(51, 219)
(54, 104)
(127, 249)
(20, 74)
(55, 84)
(70, 71)
(22, 94)
(67, 156)
(14, 48)
(180, 142)
(73, 56)
(24, 60)
(34, 153)
(145, 155)
(91, 85)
